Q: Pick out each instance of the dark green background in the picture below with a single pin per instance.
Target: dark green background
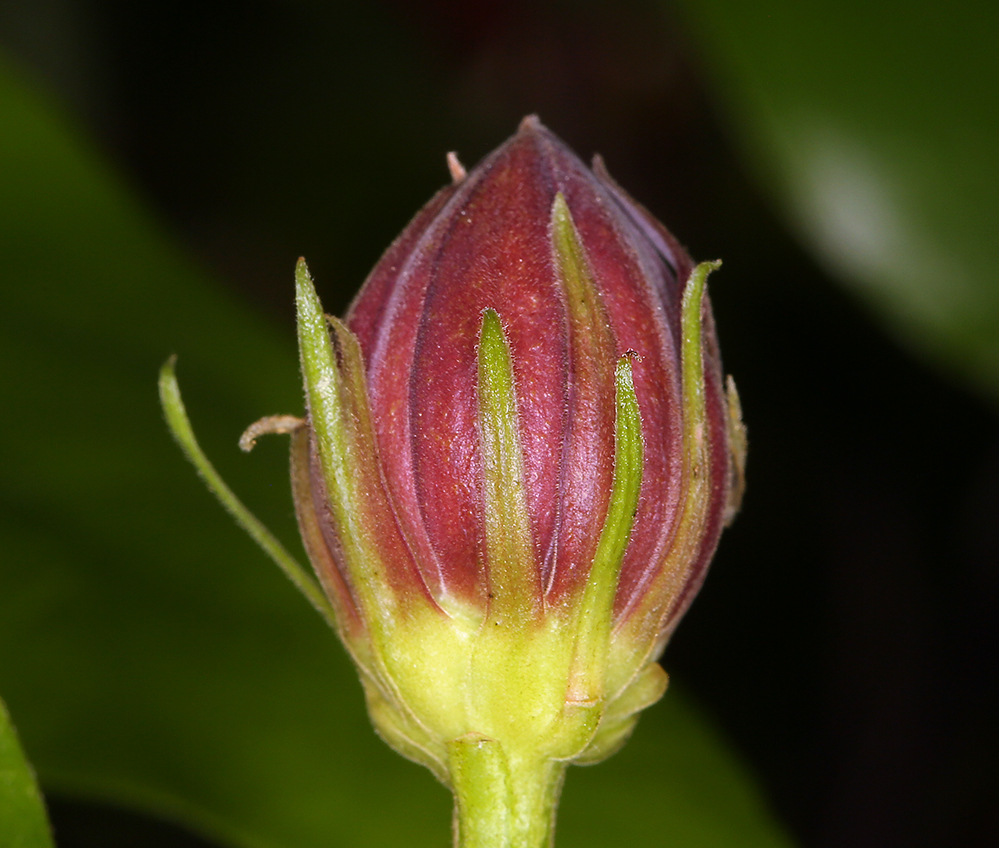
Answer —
(840, 158)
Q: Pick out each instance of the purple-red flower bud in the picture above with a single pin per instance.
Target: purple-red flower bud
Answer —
(520, 456)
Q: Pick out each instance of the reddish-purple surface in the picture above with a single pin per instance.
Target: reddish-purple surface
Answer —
(486, 243)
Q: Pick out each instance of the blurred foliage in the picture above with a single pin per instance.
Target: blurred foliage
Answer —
(158, 660)
(846, 638)
(874, 126)
(22, 814)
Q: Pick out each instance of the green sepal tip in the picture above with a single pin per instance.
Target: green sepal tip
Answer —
(514, 579)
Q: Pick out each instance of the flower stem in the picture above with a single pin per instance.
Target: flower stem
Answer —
(501, 801)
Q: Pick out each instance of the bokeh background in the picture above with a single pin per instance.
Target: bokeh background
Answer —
(162, 165)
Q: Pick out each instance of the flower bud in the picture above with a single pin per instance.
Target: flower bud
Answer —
(519, 457)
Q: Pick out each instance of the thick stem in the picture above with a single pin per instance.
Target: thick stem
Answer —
(502, 801)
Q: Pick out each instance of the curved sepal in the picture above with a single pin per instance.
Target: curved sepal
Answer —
(596, 606)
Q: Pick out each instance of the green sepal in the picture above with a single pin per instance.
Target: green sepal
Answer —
(692, 364)
(513, 576)
(583, 300)
(382, 576)
(640, 637)
(596, 605)
(593, 352)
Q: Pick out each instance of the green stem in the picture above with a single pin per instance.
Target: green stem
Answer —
(501, 801)
(180, 426)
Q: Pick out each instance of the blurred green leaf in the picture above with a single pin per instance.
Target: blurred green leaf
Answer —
(155, 657)
(875, 127)
(22, 814)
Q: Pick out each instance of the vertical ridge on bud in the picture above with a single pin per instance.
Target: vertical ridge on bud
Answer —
(382, 285)
(662, 239)
(514, 586)
(496, 243)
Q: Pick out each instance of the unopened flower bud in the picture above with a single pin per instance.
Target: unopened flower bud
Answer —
(520, 454)
(518, 457)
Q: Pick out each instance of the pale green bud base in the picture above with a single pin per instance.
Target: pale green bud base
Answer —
(436, 682)
(490, 716)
